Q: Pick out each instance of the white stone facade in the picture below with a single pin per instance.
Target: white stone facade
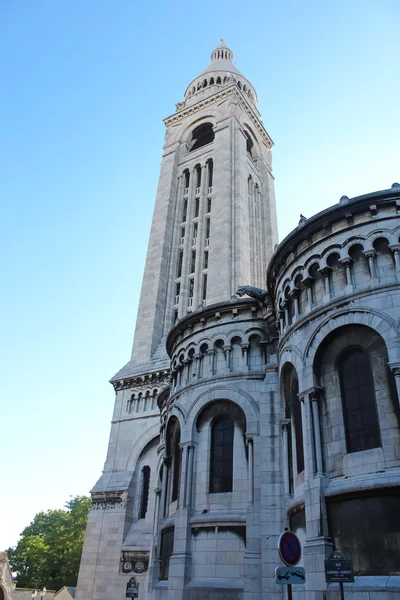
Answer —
(230, 420)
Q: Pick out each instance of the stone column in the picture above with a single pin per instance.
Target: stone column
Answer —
(245, 350)
(227, 350)
(250, 469)
(347, 262)
(396, 251)
(395, 368)
(286, 475)
(308, 281)
(370, 254)
(305, 423)
(189, 479)
(314, 395)
(211, 354)
(157, 492)
(295, 298)
(325, 271)
(198, 358)
(164, 490)
(285, 307)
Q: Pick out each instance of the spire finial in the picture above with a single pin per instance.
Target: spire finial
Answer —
(222, 52)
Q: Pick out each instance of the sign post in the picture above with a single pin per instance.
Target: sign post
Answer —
(338, 569)
(132, 588)
(289, 549)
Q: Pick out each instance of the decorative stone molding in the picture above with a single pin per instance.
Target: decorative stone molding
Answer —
(134, 562)
(109, 500)
(157, 378)
(216, 98)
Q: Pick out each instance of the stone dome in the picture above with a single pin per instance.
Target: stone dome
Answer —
(221, 72)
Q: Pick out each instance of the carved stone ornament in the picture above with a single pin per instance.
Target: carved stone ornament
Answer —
(258, 294)
(109, 500)
(134, 562)
(156, 378)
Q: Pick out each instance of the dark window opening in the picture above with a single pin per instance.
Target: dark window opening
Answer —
(208, 205)
(187, 178)
(249, 144)
(298, 428)
(177, 468)
(198, 176)
(166, 549)
(191, 288)
(202, 135)
(204, 287)
(221, 461)
(358, 400)
(180, 261)
(145, 491)
(210, 164)
(205, 260)
(207, 228)
(211, 81)
(177, 289)
(366, 528)
(184, 211)
(193, 261)
(219, 80)
(195, 229)
(175, 316)
(197, 207)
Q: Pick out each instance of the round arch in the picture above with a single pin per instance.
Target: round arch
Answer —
(241, 398)
(373, 318)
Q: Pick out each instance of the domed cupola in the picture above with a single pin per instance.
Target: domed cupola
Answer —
(220, 73)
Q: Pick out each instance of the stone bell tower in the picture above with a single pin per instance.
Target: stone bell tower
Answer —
(214, 228)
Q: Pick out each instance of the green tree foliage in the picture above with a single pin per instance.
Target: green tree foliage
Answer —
(49, 550)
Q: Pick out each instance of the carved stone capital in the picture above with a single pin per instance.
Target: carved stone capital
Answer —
(109, 500)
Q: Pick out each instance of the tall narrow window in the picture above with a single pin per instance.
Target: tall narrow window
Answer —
(206, 260)
(221, 459)
(180, 261)
(182, 240)
(177, 292)
(166, 549)
(144, 491)
(358, 400)
(175, 316)
(208, 205)
(207, 230)
(184, 211)
(187, 178)
(198, 176)
(210, 172)
(193, 261)
(195, 227)
(298, 431)
(196, 207)
(204, 295)
(176, 462)
(191, 288)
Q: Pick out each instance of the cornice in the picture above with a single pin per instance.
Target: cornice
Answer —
(232, 90)
(159, 378)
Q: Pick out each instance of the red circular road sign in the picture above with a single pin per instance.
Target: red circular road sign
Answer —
(289, 548)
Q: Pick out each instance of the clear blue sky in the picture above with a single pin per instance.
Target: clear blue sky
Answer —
(85, 86)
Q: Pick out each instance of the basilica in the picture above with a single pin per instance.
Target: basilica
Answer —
(263, 388)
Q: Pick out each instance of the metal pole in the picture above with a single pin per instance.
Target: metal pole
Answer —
(289, 592)
(341, 590)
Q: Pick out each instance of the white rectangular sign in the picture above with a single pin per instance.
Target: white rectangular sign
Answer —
(293, 575)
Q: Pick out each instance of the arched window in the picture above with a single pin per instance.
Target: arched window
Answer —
(144, 491)
(202, 135)
(210, 166)
(358, 401)
(221, 459)
(176, 458)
